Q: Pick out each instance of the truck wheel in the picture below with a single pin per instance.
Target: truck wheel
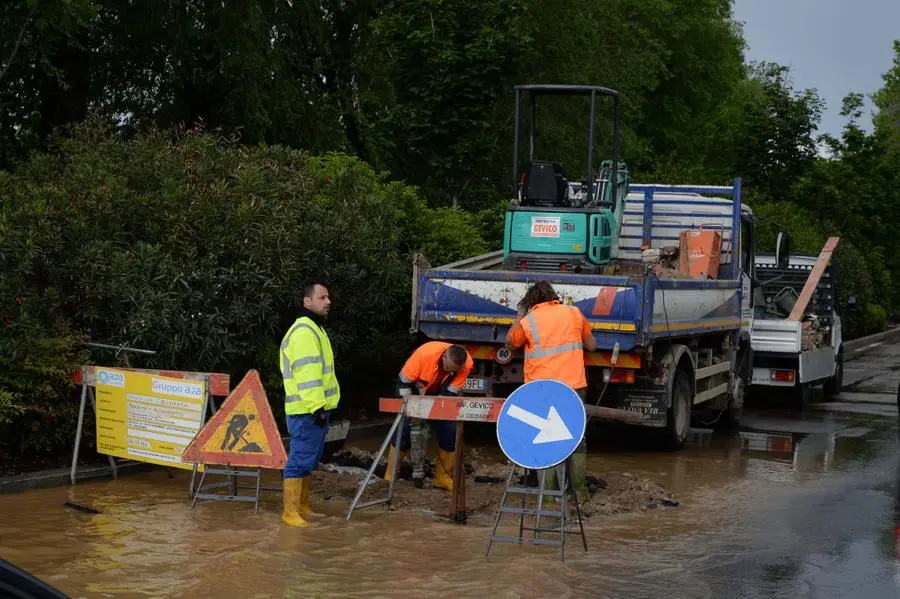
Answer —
(678, 416)
(834, 384)
(735, 409)
(800, 396)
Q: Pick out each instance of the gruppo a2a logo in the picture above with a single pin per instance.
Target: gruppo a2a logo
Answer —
(113, 379)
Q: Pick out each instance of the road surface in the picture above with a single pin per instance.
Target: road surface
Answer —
(795, 505)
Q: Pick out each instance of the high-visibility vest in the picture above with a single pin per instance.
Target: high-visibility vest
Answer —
(307, 368)
(554, 349)
(423, 367)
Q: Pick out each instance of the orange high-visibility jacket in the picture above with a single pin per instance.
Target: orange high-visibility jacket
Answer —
(423, 367)
(552, 334)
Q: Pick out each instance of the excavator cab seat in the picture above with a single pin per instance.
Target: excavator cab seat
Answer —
(545, 184)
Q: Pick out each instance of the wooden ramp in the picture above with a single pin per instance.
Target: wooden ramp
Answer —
(813, 280)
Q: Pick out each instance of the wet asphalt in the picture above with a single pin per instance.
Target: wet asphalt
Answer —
(799, 504)
(832, 528)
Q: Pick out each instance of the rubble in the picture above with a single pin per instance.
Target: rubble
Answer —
(610, 494)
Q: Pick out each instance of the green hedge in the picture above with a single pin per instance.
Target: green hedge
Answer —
(194, 246)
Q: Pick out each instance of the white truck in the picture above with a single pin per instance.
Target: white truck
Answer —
(796, 332)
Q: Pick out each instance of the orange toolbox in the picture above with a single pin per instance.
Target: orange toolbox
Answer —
(699, 253)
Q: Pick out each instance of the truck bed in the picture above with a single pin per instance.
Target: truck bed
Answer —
(779, 343)
(474, 300)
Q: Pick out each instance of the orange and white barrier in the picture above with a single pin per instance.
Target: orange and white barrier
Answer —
(465, 409)
(480, 409)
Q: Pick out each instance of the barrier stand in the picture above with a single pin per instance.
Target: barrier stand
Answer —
(426, 407)
(458, 496)
(137, 442)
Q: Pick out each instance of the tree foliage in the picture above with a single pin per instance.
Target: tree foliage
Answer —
(195, 247)
(347, 136)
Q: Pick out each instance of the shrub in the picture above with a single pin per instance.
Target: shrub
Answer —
(195, 247)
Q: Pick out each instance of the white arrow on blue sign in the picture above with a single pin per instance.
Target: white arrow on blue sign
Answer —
(541, 423)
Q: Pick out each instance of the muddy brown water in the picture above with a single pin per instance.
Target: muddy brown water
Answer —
(148, 542)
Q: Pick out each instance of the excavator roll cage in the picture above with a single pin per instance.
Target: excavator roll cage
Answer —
(544, 182)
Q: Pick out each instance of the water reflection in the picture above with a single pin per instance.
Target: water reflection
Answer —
(760, 514)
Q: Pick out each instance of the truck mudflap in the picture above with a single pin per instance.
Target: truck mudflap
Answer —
(649, 402)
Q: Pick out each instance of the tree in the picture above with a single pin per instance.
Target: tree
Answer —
(887, 100)
(778, 144)
(45, 70)
(448, 66)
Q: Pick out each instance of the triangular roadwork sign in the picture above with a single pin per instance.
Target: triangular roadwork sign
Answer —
(242, 432)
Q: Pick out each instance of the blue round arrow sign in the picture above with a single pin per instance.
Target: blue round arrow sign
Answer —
(541, 424)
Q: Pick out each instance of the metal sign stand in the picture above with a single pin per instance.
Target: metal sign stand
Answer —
(397, 427)
(539, 511)
(233, 473)
(539, 427)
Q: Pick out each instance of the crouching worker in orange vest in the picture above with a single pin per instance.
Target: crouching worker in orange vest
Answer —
(555, 337)
(435, 368)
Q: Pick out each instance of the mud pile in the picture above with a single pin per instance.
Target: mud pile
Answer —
(485, 481)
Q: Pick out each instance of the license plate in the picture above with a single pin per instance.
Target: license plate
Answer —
(476, 384)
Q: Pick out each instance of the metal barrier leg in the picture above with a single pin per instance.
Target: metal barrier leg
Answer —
(258, 481)
(365, 482)
(78, 430)
(202, 478)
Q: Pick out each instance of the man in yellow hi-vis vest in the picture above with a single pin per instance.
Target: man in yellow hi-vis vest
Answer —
(311, 389)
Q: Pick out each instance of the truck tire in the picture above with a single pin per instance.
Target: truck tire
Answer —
(800, 396)
(678, 415)
(735, 410)
(834, 384)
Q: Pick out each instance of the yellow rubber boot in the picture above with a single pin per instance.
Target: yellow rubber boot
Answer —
(305, 510)
(390, 458)
(443, 470)
(292, 497)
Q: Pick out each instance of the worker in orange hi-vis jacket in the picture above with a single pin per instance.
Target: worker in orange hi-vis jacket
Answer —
(436, 368)
(554, 336)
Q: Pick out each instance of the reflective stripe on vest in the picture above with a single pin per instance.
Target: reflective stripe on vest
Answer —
(287, 367)
(538, 351)
(301, 387)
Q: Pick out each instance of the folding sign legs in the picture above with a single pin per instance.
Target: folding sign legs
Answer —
(539, 512)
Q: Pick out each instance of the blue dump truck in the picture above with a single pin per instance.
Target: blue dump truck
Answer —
(672, 348)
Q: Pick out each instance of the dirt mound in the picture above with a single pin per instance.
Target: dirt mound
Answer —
(627, 492)
(485, 481)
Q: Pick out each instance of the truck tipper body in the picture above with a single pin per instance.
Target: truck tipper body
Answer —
(796, 348)
(669, 348)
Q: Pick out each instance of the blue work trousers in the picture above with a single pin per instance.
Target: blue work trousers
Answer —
(445, 431)
(307, 444)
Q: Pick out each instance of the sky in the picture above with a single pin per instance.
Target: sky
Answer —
(835, 46)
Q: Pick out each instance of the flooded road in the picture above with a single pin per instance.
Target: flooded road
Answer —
(794, 506)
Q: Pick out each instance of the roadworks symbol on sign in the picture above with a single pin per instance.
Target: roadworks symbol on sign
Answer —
(242, 432)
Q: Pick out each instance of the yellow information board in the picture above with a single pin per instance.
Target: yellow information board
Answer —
(147, 417)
